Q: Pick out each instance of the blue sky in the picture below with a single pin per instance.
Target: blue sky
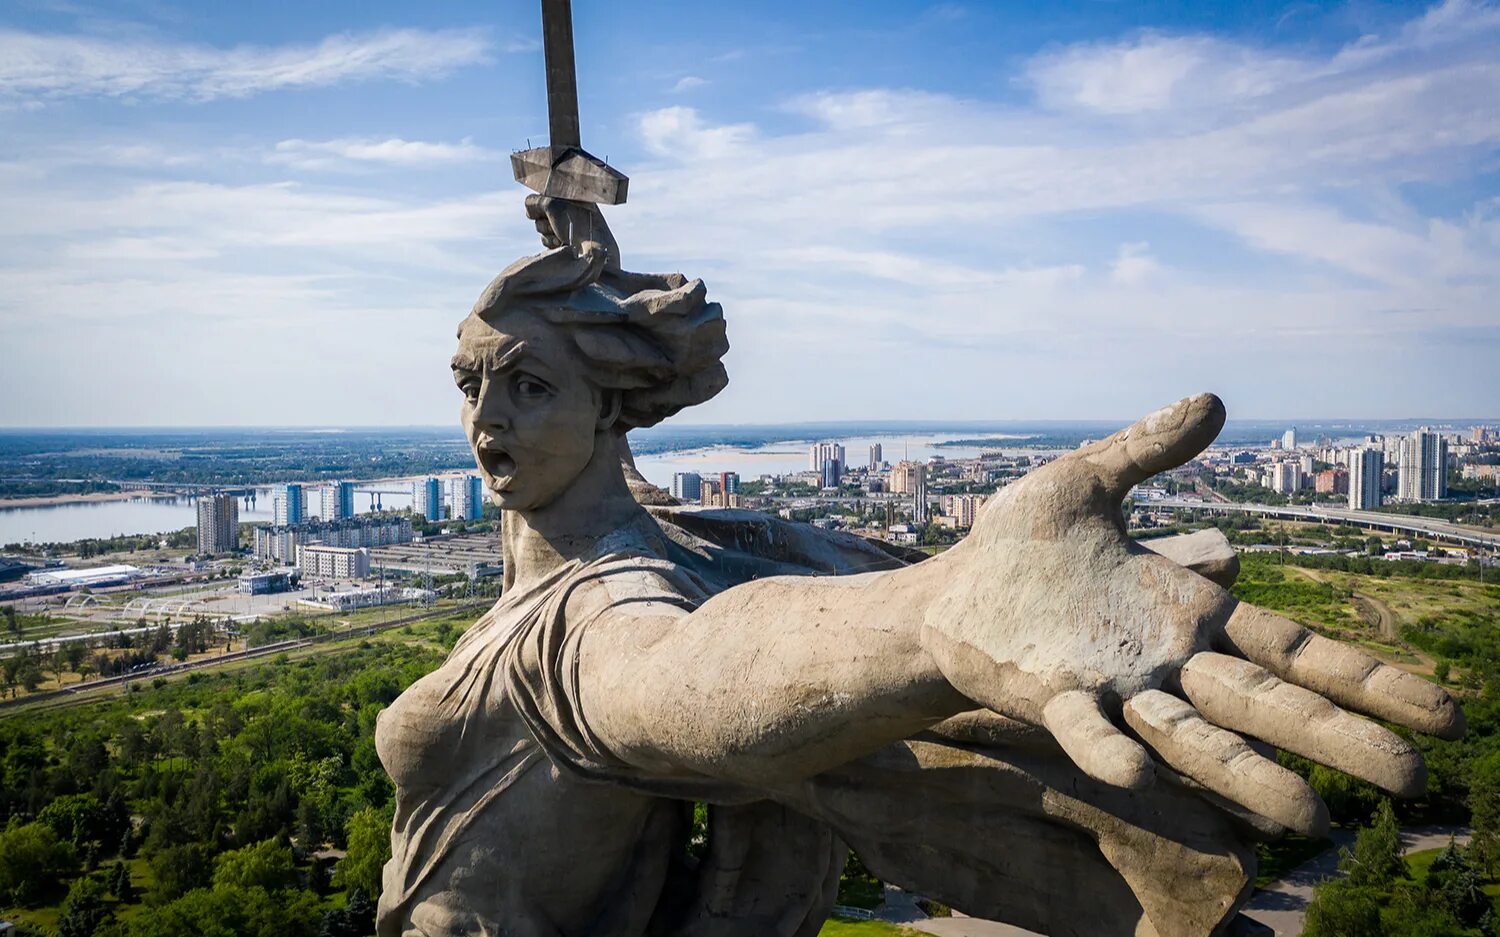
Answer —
(257, 213)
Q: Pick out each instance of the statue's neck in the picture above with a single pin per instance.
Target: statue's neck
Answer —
(598, 503)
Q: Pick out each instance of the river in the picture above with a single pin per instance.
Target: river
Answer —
(149, 514)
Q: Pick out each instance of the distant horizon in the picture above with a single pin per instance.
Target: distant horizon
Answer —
(913, 424)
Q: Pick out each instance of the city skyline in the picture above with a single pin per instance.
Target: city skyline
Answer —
(1131, 203)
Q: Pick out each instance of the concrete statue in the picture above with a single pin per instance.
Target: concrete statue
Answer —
(1049, 724)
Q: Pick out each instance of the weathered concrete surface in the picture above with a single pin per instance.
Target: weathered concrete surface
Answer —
(1044, 725)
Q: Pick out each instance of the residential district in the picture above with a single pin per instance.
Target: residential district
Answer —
(324, 555)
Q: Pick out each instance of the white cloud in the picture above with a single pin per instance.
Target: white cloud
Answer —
(324, 154)
(688, 83)
(39, 66)
(1134, 265)
(679, 132)
(1156, 72)
(927, 254)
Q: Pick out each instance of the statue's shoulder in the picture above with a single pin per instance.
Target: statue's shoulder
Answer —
(727, 546)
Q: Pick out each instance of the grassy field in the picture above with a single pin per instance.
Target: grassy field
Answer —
(1402, 619)
(843, 927)
(1419, 862)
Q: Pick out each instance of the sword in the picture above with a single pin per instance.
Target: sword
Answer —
(563, 168)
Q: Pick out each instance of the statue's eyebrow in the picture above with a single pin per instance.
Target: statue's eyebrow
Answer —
(500, 357)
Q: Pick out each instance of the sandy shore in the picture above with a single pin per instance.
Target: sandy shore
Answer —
(50, 501)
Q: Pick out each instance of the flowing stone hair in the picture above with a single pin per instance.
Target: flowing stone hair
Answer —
(652, 337)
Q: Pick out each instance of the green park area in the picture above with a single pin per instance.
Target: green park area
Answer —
(843, 927)
(1442, 623)
(246, 797)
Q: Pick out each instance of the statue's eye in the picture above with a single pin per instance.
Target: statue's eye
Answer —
(531, 388)
(470, 386)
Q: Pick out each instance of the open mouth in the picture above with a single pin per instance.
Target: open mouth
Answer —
(499, 466)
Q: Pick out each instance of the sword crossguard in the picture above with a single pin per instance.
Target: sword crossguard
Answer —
(569, 172)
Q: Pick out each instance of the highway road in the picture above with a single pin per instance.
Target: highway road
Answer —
(1431, 528)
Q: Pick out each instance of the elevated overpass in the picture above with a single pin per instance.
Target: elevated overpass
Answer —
(1429, 528)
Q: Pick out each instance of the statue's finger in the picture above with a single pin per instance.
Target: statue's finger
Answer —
(1348, 676)
(1242, 696)
(1095, 745)
(1160, 441)
(1223, 762)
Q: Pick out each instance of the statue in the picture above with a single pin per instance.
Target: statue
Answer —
(1049, 724)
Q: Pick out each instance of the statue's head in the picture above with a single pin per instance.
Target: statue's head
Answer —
(559, 357)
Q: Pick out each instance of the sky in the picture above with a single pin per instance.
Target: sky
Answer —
(276, 214)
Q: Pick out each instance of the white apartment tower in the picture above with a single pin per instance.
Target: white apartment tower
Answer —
(1423, 467)
(876, 457)
(1365, 466)
(919, 508)
(822, 452)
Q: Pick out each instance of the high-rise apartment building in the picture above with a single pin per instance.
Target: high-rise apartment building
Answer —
(1365, 468)
(832, 471)
(904, 477)
(920, 512)
(1284, 478)
(687, 486)
(466, 497)
(1289, 439)
(729, 483)
(427, 499)
(289, 506)
(1422, 471)
(963, 508)
(821, 452)
(336, 502)
(876, 457)
(218, 524)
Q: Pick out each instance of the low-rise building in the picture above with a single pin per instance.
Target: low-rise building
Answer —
(322, 561)
(279, 544)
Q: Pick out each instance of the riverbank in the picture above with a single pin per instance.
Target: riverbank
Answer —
(53, 501)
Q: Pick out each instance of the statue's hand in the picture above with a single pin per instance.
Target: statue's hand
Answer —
(1053, 615)
(580, 224)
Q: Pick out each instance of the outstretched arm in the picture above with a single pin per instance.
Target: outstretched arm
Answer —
(1047, 613)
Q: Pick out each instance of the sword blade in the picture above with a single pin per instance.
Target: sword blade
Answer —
(562, 83)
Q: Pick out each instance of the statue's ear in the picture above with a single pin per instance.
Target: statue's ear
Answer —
(609, 407)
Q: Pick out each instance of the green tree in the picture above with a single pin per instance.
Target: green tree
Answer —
(1484, 805)
(84, 910)
(369, 834)
(232, 911)
(77, 818)
(178, 870)
(1339, 909)
(1376, 860)
(266, 864)
(119, 883)
(33, 863)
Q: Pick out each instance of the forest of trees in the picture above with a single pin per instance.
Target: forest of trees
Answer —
(217, 805)
(252, 802)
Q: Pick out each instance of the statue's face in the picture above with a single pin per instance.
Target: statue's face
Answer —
(530, 414)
